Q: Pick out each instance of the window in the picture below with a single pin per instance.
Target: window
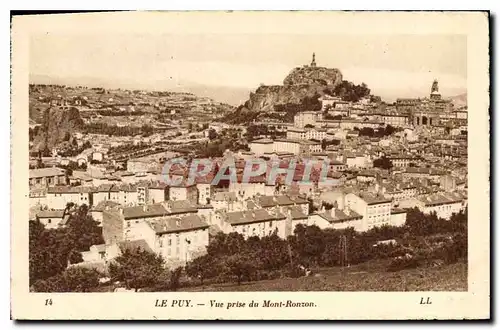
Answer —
(270, 223)
(49, 221)
(177, 238)
(169, 242)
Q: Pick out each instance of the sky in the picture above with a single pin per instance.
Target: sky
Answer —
(226, 64)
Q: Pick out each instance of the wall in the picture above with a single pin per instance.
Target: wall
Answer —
(174, 246)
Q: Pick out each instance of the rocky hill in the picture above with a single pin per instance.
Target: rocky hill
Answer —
(57, 125)
(300, 84)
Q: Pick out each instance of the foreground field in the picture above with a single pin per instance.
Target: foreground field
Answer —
(365, 277)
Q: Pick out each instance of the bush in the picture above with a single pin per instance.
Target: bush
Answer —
(293, 271)
(401, 263)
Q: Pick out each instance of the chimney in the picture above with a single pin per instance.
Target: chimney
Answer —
(144, 208)
(121, 211)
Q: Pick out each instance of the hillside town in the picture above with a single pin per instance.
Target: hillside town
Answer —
(102, 153)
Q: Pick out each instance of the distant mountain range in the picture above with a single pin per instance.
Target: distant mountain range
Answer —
(459, 100)
(229, 95)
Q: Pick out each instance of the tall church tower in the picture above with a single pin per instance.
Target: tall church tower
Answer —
(313, 62)
(435, 95)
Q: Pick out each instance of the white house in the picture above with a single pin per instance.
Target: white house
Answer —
(337, 219)
(58, 196)
(257, 222)
(376, 210)
(261, 146)
(178, 240)
(443, 204)
(52, 219)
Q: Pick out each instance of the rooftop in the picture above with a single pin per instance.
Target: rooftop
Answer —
(245, 217)
(336, 215)
(172, 225)
(45, 172)
(50, 214)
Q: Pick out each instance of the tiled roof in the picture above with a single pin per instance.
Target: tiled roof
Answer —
(336, 215)
(262, 141)
(397, 211)
(443, 198)
(244, 217)
(296, 212)
(172, 225)
(158, 210)
(44, 172)
(224, 196)
(371, 199)
(50, 214)
(105, 205)
(70, 190)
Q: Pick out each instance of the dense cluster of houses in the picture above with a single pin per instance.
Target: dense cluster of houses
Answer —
(135, 207)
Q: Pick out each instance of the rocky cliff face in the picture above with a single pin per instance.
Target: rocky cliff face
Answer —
(56, 125)
(300, 83)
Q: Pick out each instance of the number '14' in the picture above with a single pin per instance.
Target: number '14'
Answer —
(48, 302)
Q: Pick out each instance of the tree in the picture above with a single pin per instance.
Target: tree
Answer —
(67, 136)
(324, 144)
(226, 244)
(49, 251)
(311, 208)
(366, 131)
(348, 91)
(389, 130)
(175, 279)
(212, 134)
(308, 243)
(239, 266)
(383, 162)
(137, 268)
(202, 267)
(73, 279)
(327, 206)
(83, 230)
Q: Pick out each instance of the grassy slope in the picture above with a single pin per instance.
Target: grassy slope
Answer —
(365, 277)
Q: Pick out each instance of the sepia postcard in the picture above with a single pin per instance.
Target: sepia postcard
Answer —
(313, 165)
